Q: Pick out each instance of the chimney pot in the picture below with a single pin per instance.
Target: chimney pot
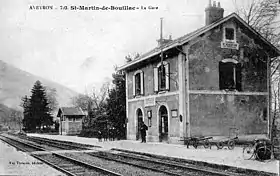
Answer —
(213, 13)
(210, 3)
(214, 4)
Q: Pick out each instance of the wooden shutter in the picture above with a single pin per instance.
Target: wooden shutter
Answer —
(156, 79)
(238, 78)
(167, 76)
(221, 80)
(142, 83)
(133, 85)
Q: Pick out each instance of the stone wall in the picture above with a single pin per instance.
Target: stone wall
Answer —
(214, 115)
(214, 111)
(205, 55)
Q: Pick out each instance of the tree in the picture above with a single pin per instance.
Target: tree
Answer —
(36, 109)
(262, 16)
(116, 104)
(94, 103)
(52, 101)
(28, 122)
(82, 101)
(15, 118)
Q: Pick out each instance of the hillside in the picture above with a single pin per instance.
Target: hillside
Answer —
(15, 83)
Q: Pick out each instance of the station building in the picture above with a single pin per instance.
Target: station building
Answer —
(211, 80)
(70, 120)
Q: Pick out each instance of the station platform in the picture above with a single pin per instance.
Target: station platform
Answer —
(232, 158)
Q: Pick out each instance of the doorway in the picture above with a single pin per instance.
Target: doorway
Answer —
(139, 116)
(163, 124)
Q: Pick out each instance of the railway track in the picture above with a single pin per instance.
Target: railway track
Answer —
(61, 144)
(166, 167)
(73, 167)
(67, 165)
(220, 169)
(21, 145)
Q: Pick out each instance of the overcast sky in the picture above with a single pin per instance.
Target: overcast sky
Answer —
(80, 48)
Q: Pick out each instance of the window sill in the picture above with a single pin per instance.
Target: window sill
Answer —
(138, 96)
(230, 41)
(230, 90)
(162, 91)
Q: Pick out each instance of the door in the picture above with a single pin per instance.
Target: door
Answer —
(139, 117)
(163, 124)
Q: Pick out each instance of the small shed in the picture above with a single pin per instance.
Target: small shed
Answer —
(70, 120)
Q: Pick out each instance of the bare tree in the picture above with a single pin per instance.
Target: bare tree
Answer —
(98, 98)
(262, 16)
(94, 100)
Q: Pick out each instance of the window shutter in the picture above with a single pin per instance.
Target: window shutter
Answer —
(167, 76)
(221, 80)
(156, 79)
(238, 77)
(133, 85)
(142, 82)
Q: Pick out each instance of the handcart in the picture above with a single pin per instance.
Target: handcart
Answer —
(229, 141)
(195, 141)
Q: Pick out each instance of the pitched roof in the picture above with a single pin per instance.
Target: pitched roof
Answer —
(186, 38)
(70, 111)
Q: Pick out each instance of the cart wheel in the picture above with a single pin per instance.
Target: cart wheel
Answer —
(195, 144)
(206, 144)
(231, 144)
(220, 145)
(248, 152)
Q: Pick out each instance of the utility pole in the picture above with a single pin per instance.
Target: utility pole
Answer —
(161, 52)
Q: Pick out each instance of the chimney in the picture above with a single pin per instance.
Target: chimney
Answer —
(163, 41)
(213, 13)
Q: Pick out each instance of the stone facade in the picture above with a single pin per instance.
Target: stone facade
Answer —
(214, 111)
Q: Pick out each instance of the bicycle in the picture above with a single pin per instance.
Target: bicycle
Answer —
(260, 150)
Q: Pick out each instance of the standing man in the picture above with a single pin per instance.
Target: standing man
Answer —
(143, 130)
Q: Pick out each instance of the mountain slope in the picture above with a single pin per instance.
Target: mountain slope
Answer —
(16, 83)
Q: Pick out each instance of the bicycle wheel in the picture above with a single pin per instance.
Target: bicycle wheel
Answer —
(263, 153)
(220, 145)
(248, 152)
(231, 144)
(206, 144)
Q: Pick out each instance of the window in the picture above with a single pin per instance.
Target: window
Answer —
(230, 75)
(161, 77)
(229, 34)
(150, 118)
(138, 83)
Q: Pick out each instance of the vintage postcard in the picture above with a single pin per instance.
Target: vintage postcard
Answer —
(161, 87)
